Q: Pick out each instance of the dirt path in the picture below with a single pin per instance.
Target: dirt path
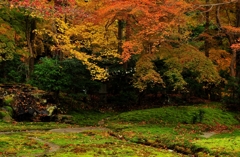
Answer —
(208, 134)
(77, 130)
(52, 147)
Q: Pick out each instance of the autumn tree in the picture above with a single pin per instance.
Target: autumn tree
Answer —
(223, 39)
(59, 31)
(11, 41)
(142, 27)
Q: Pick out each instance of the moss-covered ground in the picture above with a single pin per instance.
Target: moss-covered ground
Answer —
(166, 131)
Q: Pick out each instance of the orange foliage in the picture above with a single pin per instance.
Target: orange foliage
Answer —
(231, 29)
(149, 22)
(221, 58)
(235, 47)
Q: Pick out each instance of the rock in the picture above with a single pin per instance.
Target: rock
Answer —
(64, 118)
(5, 116)
(9, 109)
(27, 103)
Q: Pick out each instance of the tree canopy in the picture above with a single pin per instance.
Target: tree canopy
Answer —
(167, 44)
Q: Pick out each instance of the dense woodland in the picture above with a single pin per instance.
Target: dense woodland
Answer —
(124, 53)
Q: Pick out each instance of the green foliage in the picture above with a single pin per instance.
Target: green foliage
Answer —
(48, 75)
(78, 76)
(231, 94)
(196, 31)
(185, 68)
(69, 75)
(13, 70)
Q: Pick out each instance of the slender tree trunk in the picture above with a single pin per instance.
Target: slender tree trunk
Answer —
(217, 16)
(120, 35)
(232, 65)
(3, 63)
(237, 55)
(207, 24)
(30, 36)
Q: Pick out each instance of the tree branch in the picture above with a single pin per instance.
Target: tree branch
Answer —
(214, 4)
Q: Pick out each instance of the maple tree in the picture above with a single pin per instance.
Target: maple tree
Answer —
(223, 17)
(11, 41)
(142, 26)
(221, 35)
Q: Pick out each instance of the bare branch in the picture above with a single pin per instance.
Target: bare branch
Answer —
(216, 4)
(213, 4)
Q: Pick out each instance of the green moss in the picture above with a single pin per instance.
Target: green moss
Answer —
(175, 115)
(225, 144)
(19, 145)
(2, 114)
(31, 126)
(88, 118)
(9, 110)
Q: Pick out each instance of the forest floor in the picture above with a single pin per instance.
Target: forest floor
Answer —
(167, 131)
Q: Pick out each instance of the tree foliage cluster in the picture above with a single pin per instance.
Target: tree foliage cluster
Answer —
(138, 47)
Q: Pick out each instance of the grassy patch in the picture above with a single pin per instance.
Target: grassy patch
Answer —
(175, 115)
(17, 145)
(98, 143)
(226, 144)
(89, 118)
(177, 128)
(19, 126)
(148, 132)
(88, 143)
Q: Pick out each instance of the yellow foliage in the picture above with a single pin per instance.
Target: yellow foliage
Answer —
(97, 72)
(69, 39)
(145, 74)
(94, 37)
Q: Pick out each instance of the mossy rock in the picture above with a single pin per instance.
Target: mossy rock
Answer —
(9, 109)
(5, 117)
(8, 99)
(65, 118)
(2, 114)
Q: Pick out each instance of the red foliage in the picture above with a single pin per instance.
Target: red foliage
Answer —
(45, 7)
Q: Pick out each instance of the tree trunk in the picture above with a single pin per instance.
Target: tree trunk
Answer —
(120, 35)
(30, 36)
(207, 24)
(233, 63)
(237, 55)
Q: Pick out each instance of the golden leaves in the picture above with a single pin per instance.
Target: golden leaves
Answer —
(145, 74)
(97, 72)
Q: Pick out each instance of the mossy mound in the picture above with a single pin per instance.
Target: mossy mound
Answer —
(178, 115)
(6, 113)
